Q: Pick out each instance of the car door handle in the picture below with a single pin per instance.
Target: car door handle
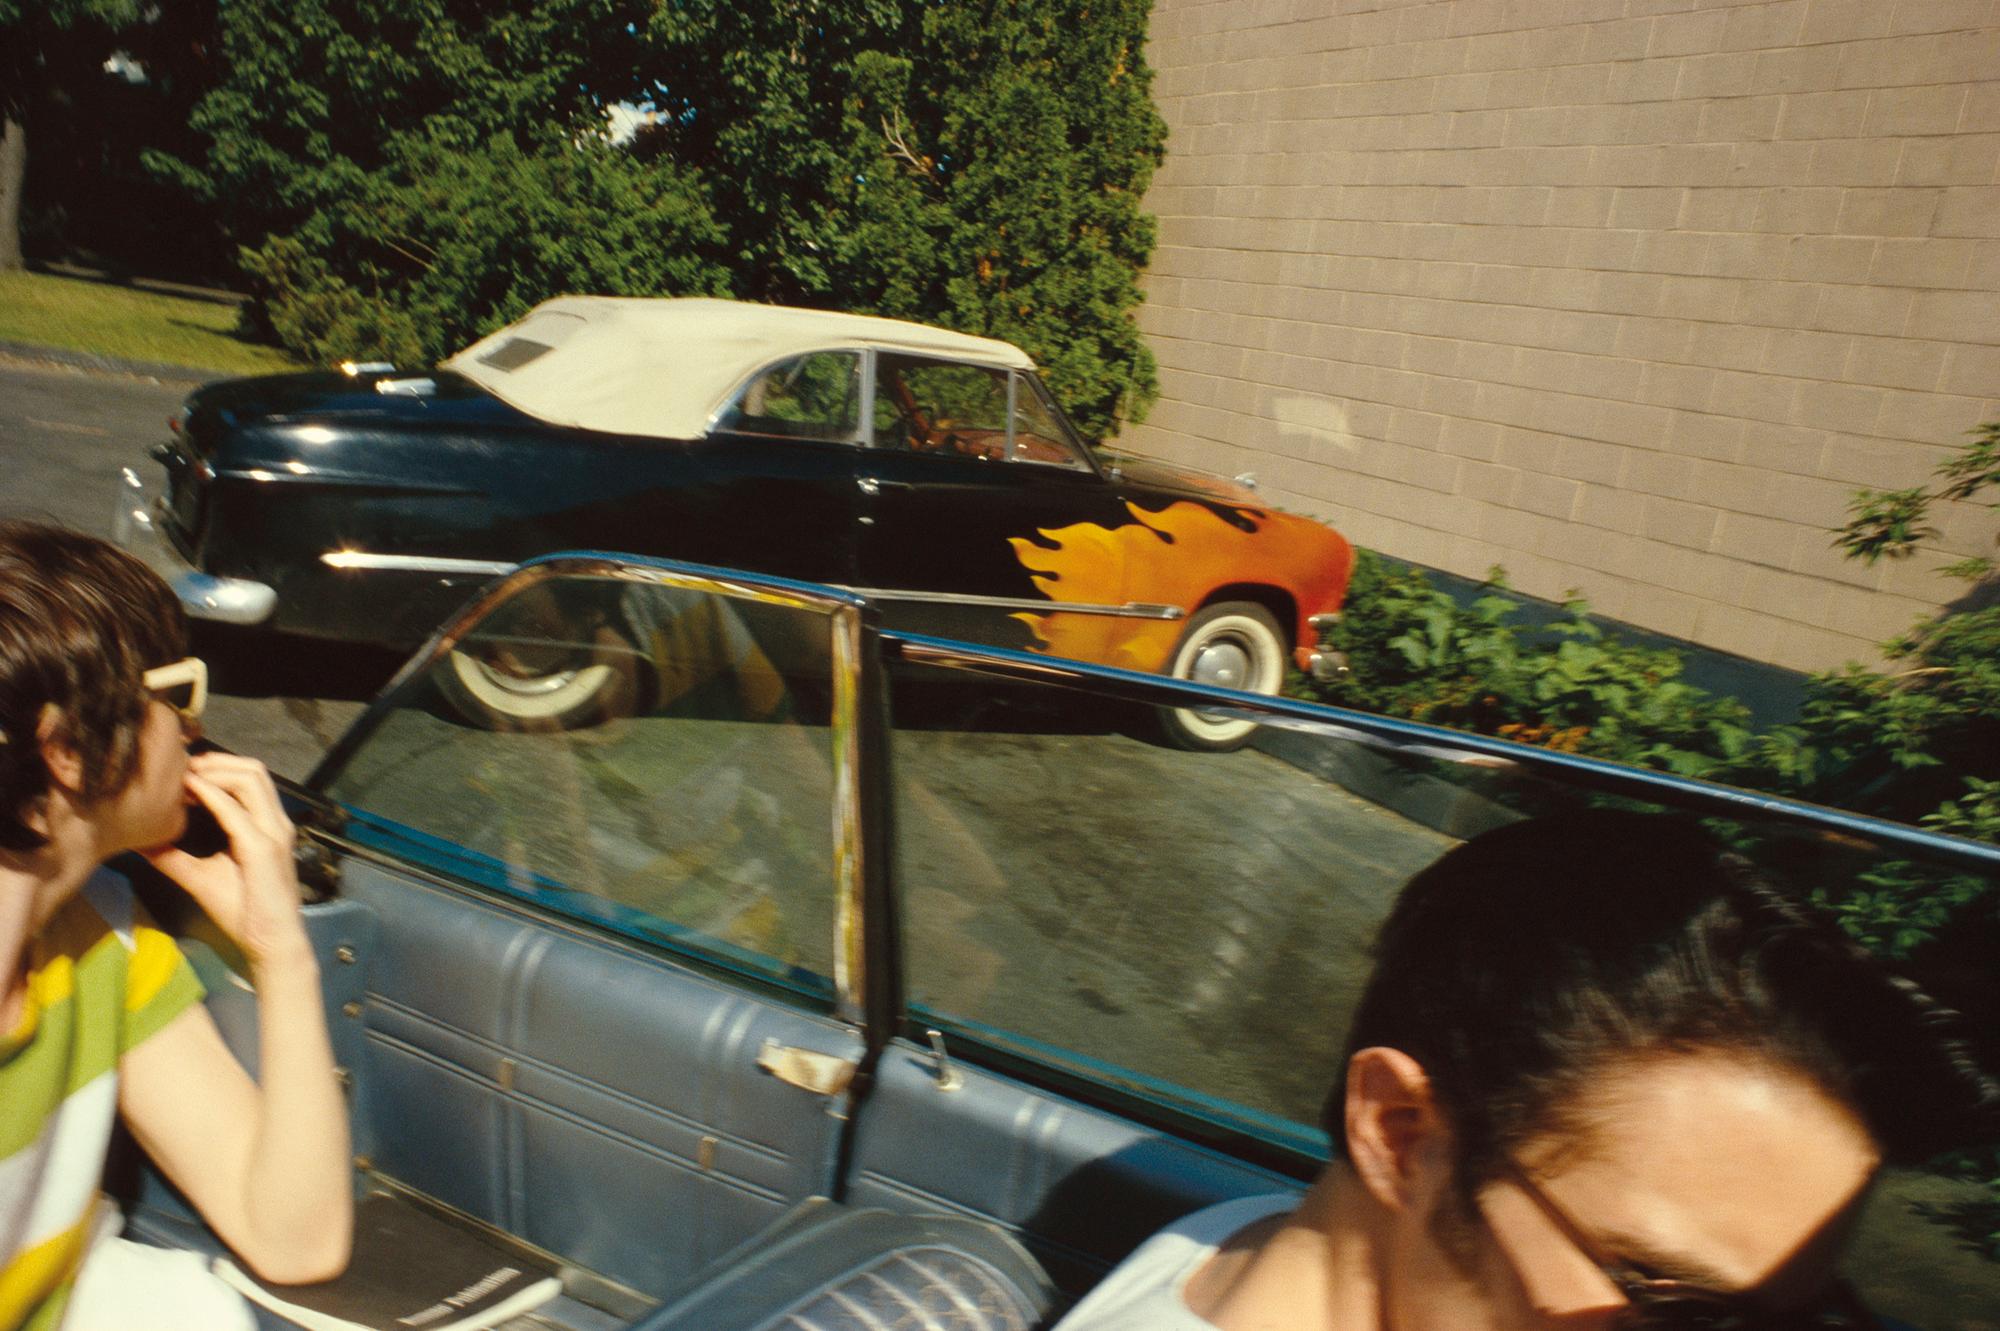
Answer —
(875, 485)
(807, 1069)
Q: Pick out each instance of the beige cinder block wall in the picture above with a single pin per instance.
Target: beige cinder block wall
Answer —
(1625, 295)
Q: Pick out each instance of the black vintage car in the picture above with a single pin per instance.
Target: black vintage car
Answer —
(800, 994)
(928, 469)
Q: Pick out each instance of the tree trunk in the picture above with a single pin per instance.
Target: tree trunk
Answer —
(13, 167)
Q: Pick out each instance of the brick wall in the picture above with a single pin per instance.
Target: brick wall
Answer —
(1625, 295)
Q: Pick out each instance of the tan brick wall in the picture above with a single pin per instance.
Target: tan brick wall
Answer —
(1626, 295)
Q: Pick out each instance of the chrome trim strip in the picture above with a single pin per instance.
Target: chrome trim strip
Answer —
(361, 559)
(1013, 379)
(1129, 610)
(867, 397)
(1440, 744)
(203, 595)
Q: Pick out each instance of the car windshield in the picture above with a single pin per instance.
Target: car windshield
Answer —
(1180, 935)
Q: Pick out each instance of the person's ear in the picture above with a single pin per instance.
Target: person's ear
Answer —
(1394, 1126)
(65, 764)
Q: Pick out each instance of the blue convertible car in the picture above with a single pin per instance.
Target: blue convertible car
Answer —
(825, 977)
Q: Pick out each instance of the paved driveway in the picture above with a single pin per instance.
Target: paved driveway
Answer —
(64, 436)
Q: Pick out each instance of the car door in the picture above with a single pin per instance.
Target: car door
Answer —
(1128, 969)
(613, 1010)
(972, 491)
(769, 487)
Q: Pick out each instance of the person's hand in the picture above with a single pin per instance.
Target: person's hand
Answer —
(250, 890)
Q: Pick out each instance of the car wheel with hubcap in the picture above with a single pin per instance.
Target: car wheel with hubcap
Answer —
(1234, 644)
(501, 691)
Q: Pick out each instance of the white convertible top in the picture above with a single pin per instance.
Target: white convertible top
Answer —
(662, 367)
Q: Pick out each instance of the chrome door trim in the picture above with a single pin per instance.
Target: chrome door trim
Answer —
(1129, 610)
(362, 559)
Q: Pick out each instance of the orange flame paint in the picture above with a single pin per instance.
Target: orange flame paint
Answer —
(1178, 556)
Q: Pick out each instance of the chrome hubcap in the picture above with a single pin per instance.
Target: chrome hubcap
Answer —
(524, 685)
(1222, 663)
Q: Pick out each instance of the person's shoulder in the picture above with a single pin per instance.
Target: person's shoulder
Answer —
(1144, 1292)
(99, 915)
(107, 897)
(158, 982)
(1215, 1225)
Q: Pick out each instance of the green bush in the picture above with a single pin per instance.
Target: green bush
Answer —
(403, 175)
(1415, 652)
(1918, 741)
(453, 240)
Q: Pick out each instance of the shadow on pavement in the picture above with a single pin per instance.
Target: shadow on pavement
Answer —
(247, 664)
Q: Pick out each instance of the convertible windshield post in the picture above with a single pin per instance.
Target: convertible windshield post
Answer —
(1013, 411)
(852, 862)
(867, 397)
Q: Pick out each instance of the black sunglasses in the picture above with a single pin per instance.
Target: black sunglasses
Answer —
(1657, 1304)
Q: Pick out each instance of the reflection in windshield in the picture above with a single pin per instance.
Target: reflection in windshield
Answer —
(1196, 926)
(659, 750)
(1190, 927)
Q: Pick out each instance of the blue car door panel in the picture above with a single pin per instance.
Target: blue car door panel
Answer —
(602, 1103)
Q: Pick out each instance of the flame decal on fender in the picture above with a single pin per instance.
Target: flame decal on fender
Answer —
(1174, 556)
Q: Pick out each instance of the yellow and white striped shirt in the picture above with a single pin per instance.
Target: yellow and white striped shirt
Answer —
(101, 980)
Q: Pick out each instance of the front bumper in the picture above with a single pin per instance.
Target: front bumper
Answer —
(135, 525)
(1325, 663)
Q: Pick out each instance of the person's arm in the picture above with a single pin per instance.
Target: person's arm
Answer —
(267, 1163)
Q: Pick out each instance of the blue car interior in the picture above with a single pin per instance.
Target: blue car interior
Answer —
(717, 1108)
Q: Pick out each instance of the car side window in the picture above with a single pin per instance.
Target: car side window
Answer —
(655, 759)
(942, 407)
(816, 396)
(1039, 433)
(1187, 922)
(1193, 929)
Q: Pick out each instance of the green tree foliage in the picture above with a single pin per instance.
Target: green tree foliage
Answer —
(449, 242)
(978, 165)
(313, 97)
(408, 174)
(1027, 135)
(44, 45)
(1417, 653)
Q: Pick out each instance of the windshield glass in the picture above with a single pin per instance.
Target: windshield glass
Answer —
(1194, 928)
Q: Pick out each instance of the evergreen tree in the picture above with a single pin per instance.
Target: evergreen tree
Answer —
(406, 175)
(414, 171)
(42, 43)
(978, 164)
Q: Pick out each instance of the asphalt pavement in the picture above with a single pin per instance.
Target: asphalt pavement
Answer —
(65, 434)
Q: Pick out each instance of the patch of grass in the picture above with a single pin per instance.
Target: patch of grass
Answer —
(78, 314)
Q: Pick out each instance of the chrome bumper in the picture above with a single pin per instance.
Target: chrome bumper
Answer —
(1326, 663)
(135, 526)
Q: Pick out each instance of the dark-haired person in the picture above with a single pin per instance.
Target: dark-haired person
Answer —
(1601, 1076)
(101, 1012)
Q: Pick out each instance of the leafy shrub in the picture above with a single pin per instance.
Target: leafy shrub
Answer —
(1918, 741)
(1415, 652)
(407, 173)
(454, 241)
